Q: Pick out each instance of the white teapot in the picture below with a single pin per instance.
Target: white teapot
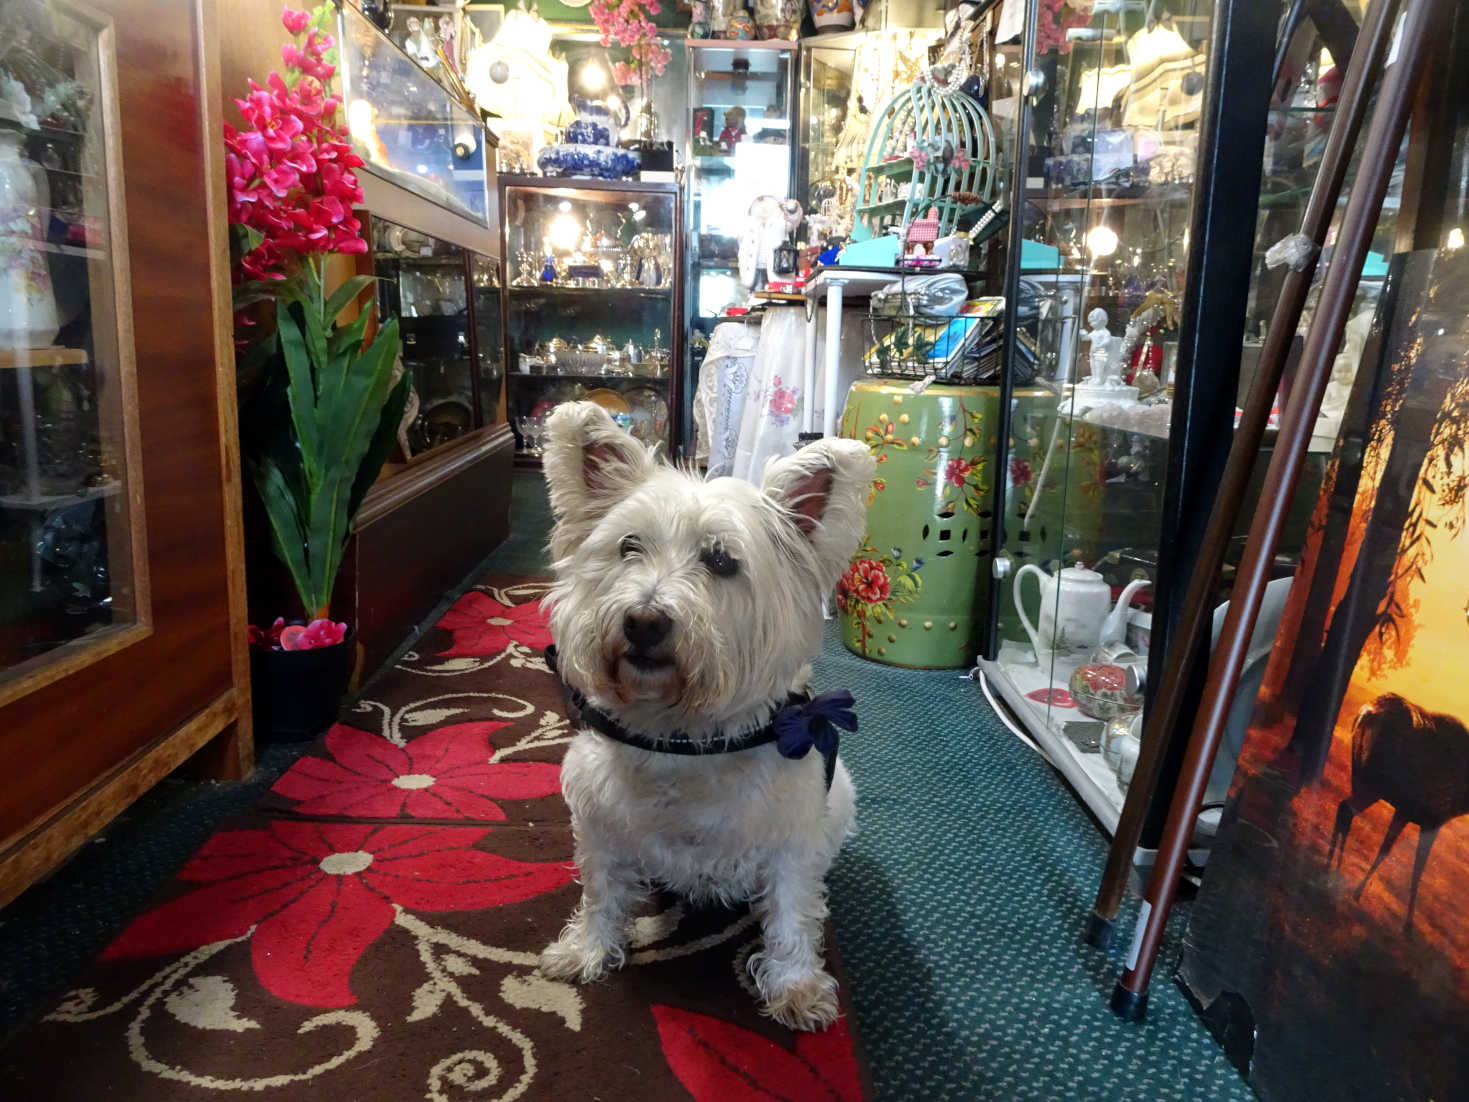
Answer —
(1076, 611)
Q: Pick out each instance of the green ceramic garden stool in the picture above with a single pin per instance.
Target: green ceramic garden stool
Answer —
(915, 595)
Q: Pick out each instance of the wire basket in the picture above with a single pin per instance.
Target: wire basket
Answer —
(960, 349)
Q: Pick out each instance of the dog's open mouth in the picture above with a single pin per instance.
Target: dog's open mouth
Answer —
(645, 675)
(648, 663)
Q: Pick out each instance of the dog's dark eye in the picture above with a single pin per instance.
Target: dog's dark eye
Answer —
(630, 545)
(720, 562)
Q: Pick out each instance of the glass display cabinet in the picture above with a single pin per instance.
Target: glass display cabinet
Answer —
(406, 126)
(67, 404)
(739, 145)
(1109, 192)
(742, 98)
(447, 302)
(593, 303)
(845, 79)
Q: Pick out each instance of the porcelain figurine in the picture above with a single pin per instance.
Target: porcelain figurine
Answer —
(1100, 338)
(1076, 611)
(419, 44)
(28, 316)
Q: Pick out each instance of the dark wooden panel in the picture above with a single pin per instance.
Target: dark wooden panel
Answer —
(64, 735)
(421, 533)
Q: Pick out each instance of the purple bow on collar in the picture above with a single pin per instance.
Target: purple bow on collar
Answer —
(798, 727)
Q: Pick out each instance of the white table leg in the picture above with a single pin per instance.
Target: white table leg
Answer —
(808, 374)
(833, 356)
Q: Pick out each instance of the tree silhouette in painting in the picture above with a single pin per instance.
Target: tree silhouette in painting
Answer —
(1419, 440)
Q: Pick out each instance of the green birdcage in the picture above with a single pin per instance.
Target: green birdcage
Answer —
(932, 147)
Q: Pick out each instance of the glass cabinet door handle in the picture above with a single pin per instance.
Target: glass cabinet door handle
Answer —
(1001, 565)
(1035, 84)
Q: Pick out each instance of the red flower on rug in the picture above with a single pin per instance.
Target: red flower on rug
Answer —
(717, 1060)
(483, 626)
(445, 774)
(319, 894)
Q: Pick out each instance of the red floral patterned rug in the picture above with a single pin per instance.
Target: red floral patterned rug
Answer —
(371, 931)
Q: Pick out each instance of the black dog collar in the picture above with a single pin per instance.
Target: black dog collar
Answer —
(802, 723)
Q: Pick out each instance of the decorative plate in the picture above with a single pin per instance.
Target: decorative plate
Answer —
(610, 400)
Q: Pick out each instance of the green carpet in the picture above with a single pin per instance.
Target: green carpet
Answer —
(957, 906)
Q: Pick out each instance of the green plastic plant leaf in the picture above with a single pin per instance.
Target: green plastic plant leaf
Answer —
(345, 294)
(383, 441)
(301, 391)
(322, 428)
(349, 415)
(283, 508)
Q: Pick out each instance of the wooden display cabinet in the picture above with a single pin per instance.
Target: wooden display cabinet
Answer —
(122, 624)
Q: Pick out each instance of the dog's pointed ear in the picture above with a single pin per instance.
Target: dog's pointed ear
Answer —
(822, 490)
(591, 464)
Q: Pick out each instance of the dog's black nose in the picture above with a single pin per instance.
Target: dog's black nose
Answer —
(646, 629)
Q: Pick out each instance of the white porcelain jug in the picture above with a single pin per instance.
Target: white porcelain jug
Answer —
(1075, 612)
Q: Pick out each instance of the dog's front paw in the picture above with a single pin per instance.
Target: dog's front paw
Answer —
(571, 959)
(809, 1004)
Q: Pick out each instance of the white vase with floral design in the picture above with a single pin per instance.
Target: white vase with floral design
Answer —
(833, 15)
(27, 304)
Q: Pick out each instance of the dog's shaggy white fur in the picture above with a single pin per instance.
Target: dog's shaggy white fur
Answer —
(688, 606)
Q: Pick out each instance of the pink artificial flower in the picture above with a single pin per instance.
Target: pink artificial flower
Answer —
(321, 633)
(289, 167)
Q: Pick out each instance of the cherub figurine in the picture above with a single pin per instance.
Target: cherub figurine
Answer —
(1101, 341)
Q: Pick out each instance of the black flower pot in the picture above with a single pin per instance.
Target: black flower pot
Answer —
(297, 692)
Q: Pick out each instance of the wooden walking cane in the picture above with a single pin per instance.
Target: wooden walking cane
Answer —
(1197, 615)
(1129, 998)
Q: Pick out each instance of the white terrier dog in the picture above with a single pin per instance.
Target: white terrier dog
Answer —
(685, 614)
